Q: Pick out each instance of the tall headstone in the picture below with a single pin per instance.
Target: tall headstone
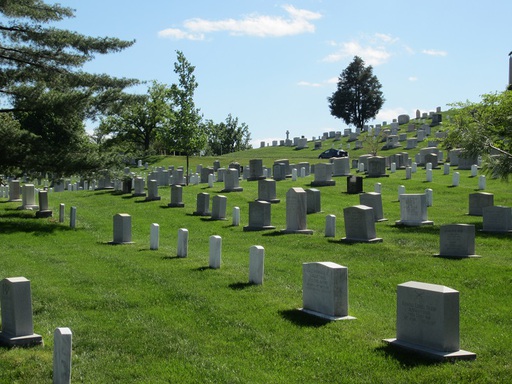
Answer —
(427, 321)
(457, 241)
(14, 191)
(28, 197)
(256, 264)
(373, 200)
(259, 216)
(255, 170)
(359, 225)
(154, 236)
(153, 191)
(219, 205)
(44, 210)
(235, 220)
(215, 251)
(413, 210)
(341, 166)
(16, 306)
(62, 348)
(122, 229)
(72, 217)
(62, 208)
(139, 187)
(376, 167)
(202, 204)
(176, 197)
(313, 201)
(325, 290)
(182, 242)
(296, 211)
(330, 226)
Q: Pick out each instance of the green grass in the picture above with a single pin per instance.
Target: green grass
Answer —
(146, 316)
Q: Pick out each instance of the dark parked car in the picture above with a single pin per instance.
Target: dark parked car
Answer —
(327, 154)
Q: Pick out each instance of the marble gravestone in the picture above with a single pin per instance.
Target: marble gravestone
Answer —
(44, 210)
(62, 344)
(457, 241)
(219, 206)
(341, 166)
(296, 212)
(413, 210)
(122, 229)
(153, 191)
(231, 181)
(202, 204)
(256, 264)
(478, 201)
(215, 251)
(427, 321)
(16, 306)
(255, 170)
(314, 204)
(259, 216)
(497, 219)
(28, 197)
(182, 250)
(373, 200)
(176, 197)
(323, 175)
(377, 167)
(359, 225)
(267, 191)
(325, 290)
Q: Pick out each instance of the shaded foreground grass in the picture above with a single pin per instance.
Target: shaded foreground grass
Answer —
(146, 316)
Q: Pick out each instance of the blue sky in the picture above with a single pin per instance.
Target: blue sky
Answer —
(273, 64)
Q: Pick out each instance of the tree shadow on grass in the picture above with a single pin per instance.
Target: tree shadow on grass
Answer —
(303, 319)
(29, 223)
(405, 357)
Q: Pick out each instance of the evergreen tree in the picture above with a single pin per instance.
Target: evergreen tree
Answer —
(358, 97)
(43, 86)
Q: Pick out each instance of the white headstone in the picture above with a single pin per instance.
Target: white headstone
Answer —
(457, 241)
(359, 225)
(72, 217)
(62, 347)
(413, 210)
(427, 321)
(215, 251)
(455, 179)
(154, 236)
(236, 217)
(296, 211)
(16, 308)
(256, 264)
(325, 290)
(182, 242)
(122, 229)
(330, 226)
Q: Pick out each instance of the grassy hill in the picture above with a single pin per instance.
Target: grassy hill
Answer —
(146, 316)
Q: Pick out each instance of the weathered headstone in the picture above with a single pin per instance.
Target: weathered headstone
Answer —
(202, 204)
(497, 219)
(341, 166)
(16, 306)
(44, 210)
(413, 210)
(359, 225)
(153, 191)
(255, 170)
(72, 217)
(427, 321)
(325, 290)
(373, 200)
(122, 229)
(219, 206)
(139, 187)
(478, 201)
(330, 226)
(176, 197)
(267, 191)
(314, 204)
(376, 167)
(62, 348)
(28, 197)
(259, 216)
(457, 241)
(323, 175)
(14, 191)
(296, 211)
(231, 181)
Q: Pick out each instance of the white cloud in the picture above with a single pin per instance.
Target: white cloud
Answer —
(298, 21)
(412, 78)
(388, 114)
(308, 84)
(374, 49)
(372, 55)
(433, 52)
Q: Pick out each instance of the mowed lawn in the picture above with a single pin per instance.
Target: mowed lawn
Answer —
(145, 316)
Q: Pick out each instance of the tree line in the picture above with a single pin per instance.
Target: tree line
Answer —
(46, 97)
